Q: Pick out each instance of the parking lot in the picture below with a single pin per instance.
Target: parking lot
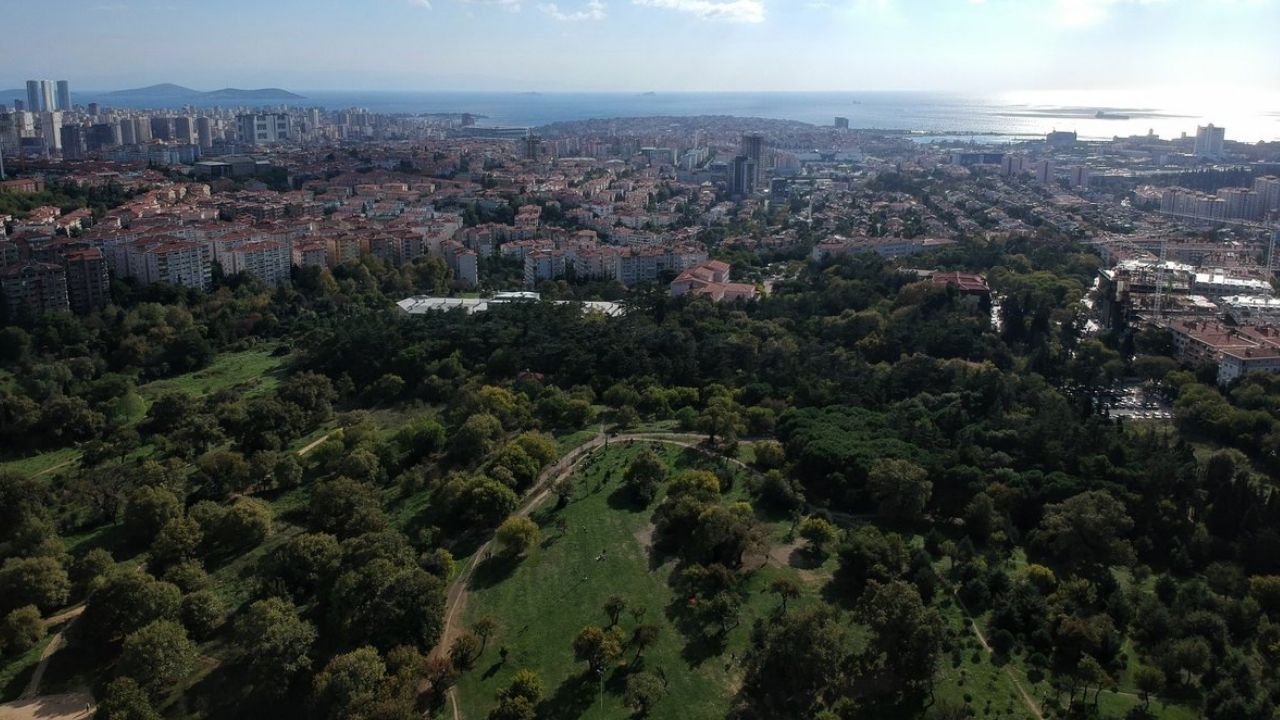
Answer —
(1135, 403)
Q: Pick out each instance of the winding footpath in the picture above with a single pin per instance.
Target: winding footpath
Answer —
(31, 705)
(459, 589)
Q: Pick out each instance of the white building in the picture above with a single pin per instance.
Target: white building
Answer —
(265, 129)
(1210, 141)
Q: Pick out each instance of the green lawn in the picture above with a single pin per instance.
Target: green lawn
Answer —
(42, 463)
(544, 601)
(253, 371)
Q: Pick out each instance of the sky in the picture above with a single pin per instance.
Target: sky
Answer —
(970, 46)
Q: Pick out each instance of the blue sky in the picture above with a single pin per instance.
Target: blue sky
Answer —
(635, 45)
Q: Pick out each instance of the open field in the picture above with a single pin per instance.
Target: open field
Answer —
(545, 599)
(250, 371)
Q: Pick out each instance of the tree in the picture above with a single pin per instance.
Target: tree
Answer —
(385, 604)
(484, 628)
(525, 684)
(307, 562)
(178, 540)
(245, 525)
(464, 650)
(516, 535)
(644, 476)
(124, 699)
(613, 607)
(148, 509)
(126, 600)
(202, 614)
(906, 635)
(1086, 530)
(770, 455)
(349, 685)
(476, 437)
(1149, 681)
(157, 656)
(644, 690)
(39, 581)
(901, 488)
(21, 630)
(344, 507)
(596, 647)
(786, 589)
(643, 636)
(820, 535)
(188, 575)
(795, 662)
(513, 708)
(276, 642)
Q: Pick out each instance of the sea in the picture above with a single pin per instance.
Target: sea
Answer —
(930, 115)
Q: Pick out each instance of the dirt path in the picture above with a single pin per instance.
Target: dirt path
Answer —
(1027, 699)
(30, 705)
(456, 599)
(59, 466)
(317, 443)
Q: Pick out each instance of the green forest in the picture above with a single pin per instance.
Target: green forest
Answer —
(856, 497)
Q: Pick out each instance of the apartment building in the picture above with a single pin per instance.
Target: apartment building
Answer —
(34, 288)
(88, 282)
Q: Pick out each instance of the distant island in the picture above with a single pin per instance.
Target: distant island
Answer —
(170, 91)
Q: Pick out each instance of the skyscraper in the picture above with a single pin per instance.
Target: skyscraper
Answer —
(47, 101)
(204, 129)
(33, 96)
(51, 130)
(842, 123)
(1210, 141)
(64, 95)
(753, 149)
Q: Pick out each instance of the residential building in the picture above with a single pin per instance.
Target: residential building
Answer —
(265, 129)
(711, 279)
(33, 288)
(1210, 142)
(170, 260)
(88, 284)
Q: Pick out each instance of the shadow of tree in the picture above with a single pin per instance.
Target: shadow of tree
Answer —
(493, 571)
(572, 698)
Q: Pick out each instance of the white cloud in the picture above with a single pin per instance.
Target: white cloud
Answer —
(594, 10)
(1082, 13)
(421, 3)
(748, 11)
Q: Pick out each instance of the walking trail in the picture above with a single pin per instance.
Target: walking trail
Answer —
(33, 706)
(459, 589)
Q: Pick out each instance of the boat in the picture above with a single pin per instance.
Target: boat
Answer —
(1103, 115)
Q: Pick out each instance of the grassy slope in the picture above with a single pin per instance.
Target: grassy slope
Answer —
(253, 371)
(561, 586)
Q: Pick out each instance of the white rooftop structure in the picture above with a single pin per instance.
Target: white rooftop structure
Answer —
(1252, 308)
(423, 304)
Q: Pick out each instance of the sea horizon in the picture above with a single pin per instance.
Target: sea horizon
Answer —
(994, 115)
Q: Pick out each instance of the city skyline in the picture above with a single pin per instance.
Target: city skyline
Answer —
(977, 46)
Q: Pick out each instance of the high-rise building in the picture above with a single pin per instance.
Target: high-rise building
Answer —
(1210, 141)
(753, 149)
(265, 129)
(102, 135)
(184, 130)
(162, 128)
(1044, 172)
(742, 176)
(33, 96)
(51, 130)
(93, 108)
(64, 95)
(127, 135)
(842, 123)
(204, 130)
(72, 142)
(532, 147)
(1012, 165)
(47, 101)
(1078, 176)
(141, 130)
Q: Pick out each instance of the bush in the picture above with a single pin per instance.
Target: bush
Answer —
(21, 630)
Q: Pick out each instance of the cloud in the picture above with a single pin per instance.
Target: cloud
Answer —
(421, 3)
(1083, 13)
(747, 11)
(512, 5)
(594, 10)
